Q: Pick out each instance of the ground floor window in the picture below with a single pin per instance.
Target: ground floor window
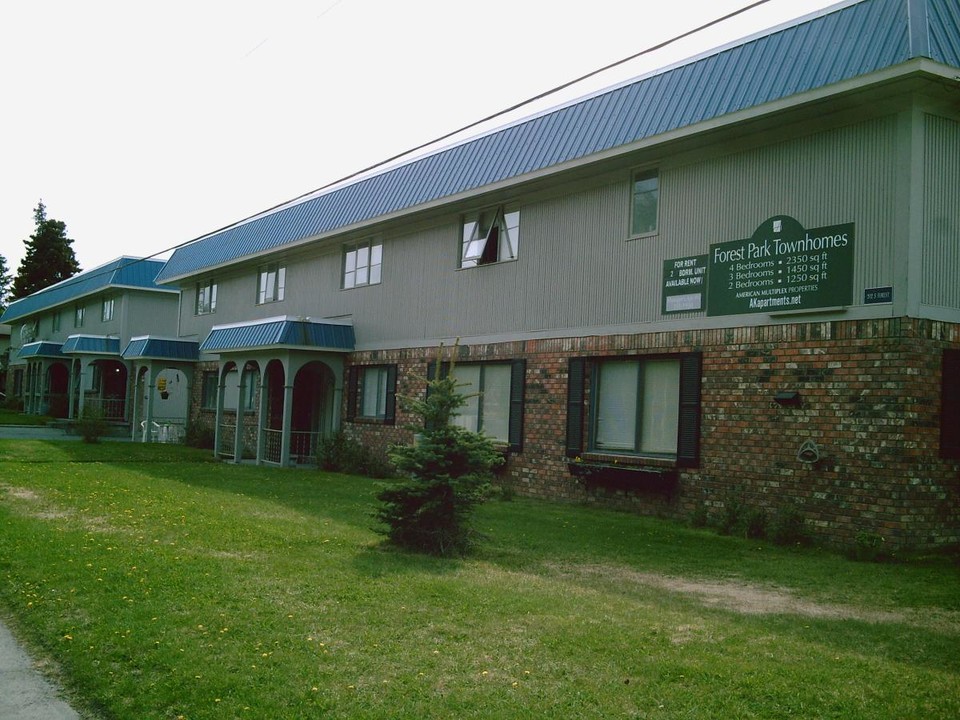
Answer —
(950, 405)
(208, 399)
(636, 406)
(495, 405)
(642, 406)
(371, 393)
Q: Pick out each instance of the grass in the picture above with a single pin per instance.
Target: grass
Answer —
(166, 586)
(15, 417)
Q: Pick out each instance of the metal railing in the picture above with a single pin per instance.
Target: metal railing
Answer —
(228, 437)
(303, 446)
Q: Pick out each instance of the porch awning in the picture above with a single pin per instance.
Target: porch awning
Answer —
(287, 333)
(152, 348)
(41, 349)
(91, 345)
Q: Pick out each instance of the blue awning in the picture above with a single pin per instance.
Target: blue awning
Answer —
(151, 348)
(279, 333)
(91, 345)
(41, 349)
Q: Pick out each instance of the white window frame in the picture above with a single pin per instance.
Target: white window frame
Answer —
(489, 237)
(55, 321)
(78, 312)
(362, 264)
(271, 283)
(645, 191)
(107, 310)
(206, 302)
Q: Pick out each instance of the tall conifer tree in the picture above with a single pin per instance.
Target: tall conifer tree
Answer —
(49, 257)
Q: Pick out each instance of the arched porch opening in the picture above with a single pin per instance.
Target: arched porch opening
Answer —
(57, 384)
(312, 413)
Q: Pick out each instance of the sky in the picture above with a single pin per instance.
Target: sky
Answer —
(143, 126)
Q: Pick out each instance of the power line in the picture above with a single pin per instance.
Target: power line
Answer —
(446, 136)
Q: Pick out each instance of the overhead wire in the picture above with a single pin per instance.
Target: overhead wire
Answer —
(441, 138)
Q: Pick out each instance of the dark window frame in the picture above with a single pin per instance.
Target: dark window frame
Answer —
(580, 412)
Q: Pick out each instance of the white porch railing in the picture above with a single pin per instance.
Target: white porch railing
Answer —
(164, 431)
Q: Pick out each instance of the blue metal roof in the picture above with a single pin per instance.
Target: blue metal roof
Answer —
(40, 349)
(91, 345)
(151, 348)
(124, 272)
(278, 333)
(850, 41)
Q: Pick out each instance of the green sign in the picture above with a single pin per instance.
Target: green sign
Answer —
(684, 284)
(782, 267)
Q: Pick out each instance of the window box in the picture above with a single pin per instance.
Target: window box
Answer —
(614, 476)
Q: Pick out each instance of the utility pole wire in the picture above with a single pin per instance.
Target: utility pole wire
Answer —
(446, 136)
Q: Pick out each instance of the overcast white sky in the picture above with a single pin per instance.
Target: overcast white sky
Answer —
(145, 125)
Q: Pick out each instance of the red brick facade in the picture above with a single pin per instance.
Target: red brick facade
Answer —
(869, 399)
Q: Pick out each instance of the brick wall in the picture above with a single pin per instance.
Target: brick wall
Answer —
(870, 394)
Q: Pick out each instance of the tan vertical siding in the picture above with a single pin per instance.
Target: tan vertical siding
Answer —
(941, 213)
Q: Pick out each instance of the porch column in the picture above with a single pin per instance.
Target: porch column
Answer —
(261, 416)
(287, 423)
(133, 404)
(71, 380)
(148, 382)
(84, 366)
(238, 435)
(219, 416)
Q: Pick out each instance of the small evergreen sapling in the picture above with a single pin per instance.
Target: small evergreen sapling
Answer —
(448, 469)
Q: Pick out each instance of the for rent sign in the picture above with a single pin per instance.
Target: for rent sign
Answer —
(783, 266)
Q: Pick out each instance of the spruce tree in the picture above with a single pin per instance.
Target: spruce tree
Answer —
(448, 470)
(4, 284)
(49, 257)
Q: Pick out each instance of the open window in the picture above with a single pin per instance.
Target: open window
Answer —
(490, 237)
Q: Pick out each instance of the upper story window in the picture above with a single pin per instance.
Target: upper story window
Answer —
(645, 203)
(78, 316)
(106, 313)
(206, 298)
(490, 236)
(55, 322)
(362, 263)
(270, 283)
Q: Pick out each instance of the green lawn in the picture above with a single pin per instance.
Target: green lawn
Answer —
(14, 417)
(167, 586)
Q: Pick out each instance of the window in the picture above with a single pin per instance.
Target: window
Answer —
(489, 237)
(106, 314)
(55, 322)
(209, 390)
(646, 202)
(270, 283)
(371, 393)
(206, 298)
(232, 399)
(78, 316)
(362, 264)
(950, 405)
(635, 406)
(498, 411)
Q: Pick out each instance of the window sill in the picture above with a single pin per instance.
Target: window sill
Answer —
(652, 476)
(369, 420)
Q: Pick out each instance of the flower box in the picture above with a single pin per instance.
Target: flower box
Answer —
(625, 477)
